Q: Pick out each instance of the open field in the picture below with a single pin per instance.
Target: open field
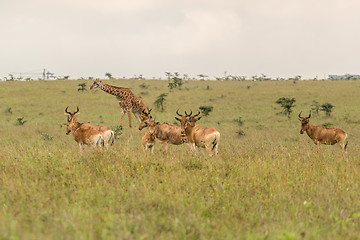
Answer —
(270, 183)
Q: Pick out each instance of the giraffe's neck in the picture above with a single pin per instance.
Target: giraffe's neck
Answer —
(116, 91)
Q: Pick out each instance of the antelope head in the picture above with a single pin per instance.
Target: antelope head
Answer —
(71, 119)
(193, 119)
(183, 121)
(96, 84)
(304, 122)
(145, 114)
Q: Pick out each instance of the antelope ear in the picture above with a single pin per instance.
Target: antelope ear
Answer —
(177, 119)
(66, 114)
(198, 118)
(64, 123)
(77, 114)
(157, 123)
(300, 119)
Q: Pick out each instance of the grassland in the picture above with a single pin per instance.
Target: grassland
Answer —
(270, 183)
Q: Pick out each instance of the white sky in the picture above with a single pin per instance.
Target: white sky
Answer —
(83, 38)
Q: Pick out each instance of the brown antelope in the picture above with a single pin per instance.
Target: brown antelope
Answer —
(107, 134)
(321, 135)
(148, 140)
(198, 136)
(82, 135)
(164, 132)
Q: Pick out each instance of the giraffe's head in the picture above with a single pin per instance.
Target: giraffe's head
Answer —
(96, 84)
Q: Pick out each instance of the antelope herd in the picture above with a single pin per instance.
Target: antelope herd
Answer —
(195, 136)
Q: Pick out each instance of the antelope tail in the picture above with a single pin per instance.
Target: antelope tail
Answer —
(214, 143)
(347, 141)
(112, 138)
(100, 141)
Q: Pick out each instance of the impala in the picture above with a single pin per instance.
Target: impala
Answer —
(82, 135)
(198, 136)
(321, 135)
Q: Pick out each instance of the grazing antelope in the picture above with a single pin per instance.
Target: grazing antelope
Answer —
(82, 135)
(164, 132)
(198, 136)
(322, 135)
(148, 140)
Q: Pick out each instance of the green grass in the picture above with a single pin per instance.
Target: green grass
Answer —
(270, 183)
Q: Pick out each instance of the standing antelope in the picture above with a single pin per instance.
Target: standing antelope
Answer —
(82, 135)
(164, 132)
(198, 136)
(107, 134)
(322, 135)
(148, 140)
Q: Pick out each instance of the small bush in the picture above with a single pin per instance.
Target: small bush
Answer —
(47, 136)
(82, 87)
(160, 100)
(287, 104)
(205, 110)
(143, 86)
(117, 131)
(327, 108)
(21, 121)
(239, 121)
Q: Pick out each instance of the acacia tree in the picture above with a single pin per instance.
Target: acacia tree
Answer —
(160, 100)
(287, 104)
(327, 108)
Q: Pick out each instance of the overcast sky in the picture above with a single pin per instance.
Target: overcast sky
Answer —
(87, 38)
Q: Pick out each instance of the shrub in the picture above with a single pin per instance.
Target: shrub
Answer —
(286, 104)
(205, 110)
(82, 87)
(21, 121)
(327, 108)
(239, 121)
(160, 100)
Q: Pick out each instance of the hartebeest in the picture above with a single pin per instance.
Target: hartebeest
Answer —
(198, 136)
(164, 132)
(82, 135)
(148, 140)
(108, 135)
(322, 135)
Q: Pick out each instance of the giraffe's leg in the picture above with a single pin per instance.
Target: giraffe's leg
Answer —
(137, 115)
(130, 125)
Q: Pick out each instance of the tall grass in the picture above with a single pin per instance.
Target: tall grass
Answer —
(270, 183)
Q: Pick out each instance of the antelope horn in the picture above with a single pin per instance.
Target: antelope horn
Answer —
(300, 115)
(66, 110)
(177, 112)
(197, 114)
(149, 110)
(309, 115)
(77, 110)
(188, 115)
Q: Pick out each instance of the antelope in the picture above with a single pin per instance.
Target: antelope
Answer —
(148, 140)
(321, 135)
(198, 136)
(82, 135)
(108, 135)
(164, 132)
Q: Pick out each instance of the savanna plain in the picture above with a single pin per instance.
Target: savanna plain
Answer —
(268, 181)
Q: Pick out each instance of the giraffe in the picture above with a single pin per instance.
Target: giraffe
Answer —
(129, 102)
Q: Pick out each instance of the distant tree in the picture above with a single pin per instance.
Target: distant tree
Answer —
(108, 75)
(82, 87)
(202, 76)
(21, 121)
(287, 104)
(327, 108)
(66, 77)
(205, 110)
(160, 100)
